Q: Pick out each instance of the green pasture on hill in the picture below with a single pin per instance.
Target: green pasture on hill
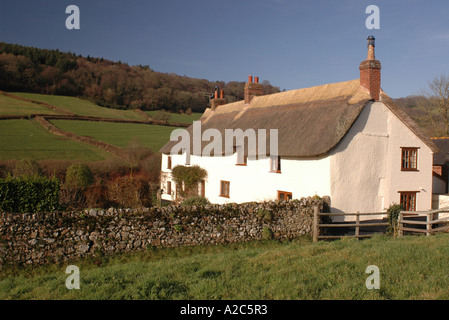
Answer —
(413, 267)
(20, 139)
(178, 117)
(81, 107)
(124, 135)
(11, 106)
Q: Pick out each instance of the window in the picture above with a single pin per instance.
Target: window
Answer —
(169, 162)
(409, 159)
(275, 164)
(283, 195)
(203, 188)
(408, 200)
(168, 187)
(241, 157)
(187, 157)
(224, 189)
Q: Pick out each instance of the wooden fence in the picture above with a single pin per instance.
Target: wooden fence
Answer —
(415, 218)
(356, 224)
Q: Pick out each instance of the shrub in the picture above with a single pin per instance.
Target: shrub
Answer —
(393, 216)
(29, 194)
(78, 176)
(130, 192)
(28, 168)
(195, 200)
(162, 115)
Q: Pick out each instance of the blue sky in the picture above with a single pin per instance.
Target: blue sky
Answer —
(291, 43)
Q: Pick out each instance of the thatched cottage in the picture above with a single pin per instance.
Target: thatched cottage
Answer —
(346, 140)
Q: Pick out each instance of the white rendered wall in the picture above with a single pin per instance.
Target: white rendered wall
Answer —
(366, 171)
(255, 182)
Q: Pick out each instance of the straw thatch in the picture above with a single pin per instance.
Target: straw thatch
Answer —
(310, 121)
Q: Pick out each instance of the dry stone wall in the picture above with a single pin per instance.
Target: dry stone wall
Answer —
(65, 236)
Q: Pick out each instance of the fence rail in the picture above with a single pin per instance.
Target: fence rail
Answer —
(357, 225)
(406, 223)
(406, 218)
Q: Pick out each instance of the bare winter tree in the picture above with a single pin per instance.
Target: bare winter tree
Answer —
(436, 101)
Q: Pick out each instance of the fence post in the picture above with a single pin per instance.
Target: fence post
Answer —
(315, 224)
(357, 228)
(400, 224)
(429, 224)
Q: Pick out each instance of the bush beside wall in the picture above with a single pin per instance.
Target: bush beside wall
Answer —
(29, 194)
(65, 236)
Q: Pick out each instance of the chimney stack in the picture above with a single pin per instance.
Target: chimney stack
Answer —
(252, 89)
(214, 103)
(370, 71)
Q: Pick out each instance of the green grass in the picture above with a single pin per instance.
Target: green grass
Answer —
(81, 107)
(180, 118)
(20, 139)
(410, 268)
(11, 106)
(119, 134)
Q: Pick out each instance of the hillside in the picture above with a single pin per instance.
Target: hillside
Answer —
(107, 83)
(23, 136)
(419, 108)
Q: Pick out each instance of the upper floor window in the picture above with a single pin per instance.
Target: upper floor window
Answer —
(409, 161)
(168, 162)
(275, 164)
(242, 159)
(187, 154)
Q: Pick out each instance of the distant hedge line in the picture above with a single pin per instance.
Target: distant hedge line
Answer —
(29, 194)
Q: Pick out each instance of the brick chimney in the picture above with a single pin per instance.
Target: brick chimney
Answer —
(252, 89)
(370, 72)
(217, 101)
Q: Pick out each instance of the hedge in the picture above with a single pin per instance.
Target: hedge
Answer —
(29, 194)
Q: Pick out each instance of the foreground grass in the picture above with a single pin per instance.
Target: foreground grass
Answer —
(410, 268)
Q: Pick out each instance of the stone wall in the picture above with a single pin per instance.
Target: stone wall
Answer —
(63, 236)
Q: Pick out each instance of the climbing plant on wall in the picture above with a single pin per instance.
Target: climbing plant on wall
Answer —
(187, 179)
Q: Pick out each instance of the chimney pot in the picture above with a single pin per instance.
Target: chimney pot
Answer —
(221, 94)
(252, 89)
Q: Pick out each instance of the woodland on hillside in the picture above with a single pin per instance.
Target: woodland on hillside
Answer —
(107, 83)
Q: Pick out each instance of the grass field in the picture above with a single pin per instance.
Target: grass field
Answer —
(180, 118)
(27, 139)
(11, 106)
(119, 134)
(410, 268)
(81, 107)
(21, 139)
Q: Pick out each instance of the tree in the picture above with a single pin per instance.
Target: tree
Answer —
(436, 101)
(79, 176)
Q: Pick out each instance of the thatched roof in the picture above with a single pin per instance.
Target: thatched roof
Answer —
(310, 121)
